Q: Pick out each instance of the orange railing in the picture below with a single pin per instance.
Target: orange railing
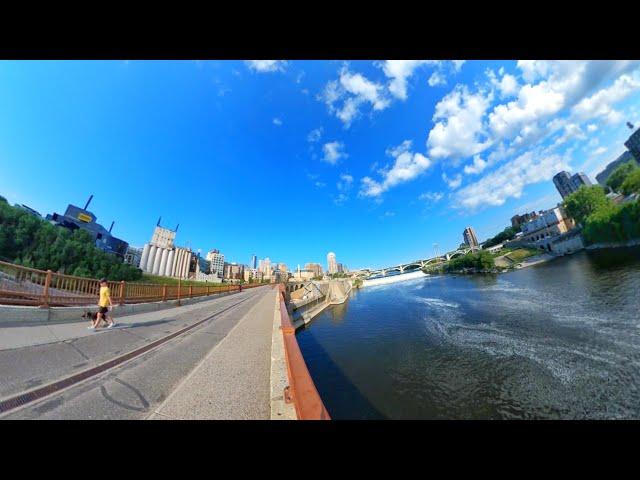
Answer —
(27, 286)
(301, 391)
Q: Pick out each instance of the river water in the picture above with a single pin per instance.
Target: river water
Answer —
(560, 340)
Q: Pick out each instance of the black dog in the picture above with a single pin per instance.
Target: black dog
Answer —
(93, 316)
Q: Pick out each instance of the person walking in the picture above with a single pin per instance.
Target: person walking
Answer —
(104, 305)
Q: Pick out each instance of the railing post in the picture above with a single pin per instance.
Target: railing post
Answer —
(190, 290)
(164, 293)
(122, 292)
(179, 290)
(47, 282)
(207, 290)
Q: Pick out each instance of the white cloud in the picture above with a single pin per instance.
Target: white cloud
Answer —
(267, 65)
(509, 181)
(353, 90)
(320, 184)
(431, 196)
(507, 86)
(277, 121)
(340, 199)
(459, 124)
(399, 71)
(454, 182)
(314, 135)
(436, 79)
(592, 128)
(345, 182)
(601, 103)
(406, 167)
(457, 64)
(333, 151)
(477, 166)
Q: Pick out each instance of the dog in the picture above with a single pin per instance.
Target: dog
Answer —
(93, 316)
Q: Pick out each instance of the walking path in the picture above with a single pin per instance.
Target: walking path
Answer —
(219, 369)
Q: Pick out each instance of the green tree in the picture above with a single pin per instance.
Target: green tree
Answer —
(507, 234)
(631, 183)
(618, 176)
(585, 201)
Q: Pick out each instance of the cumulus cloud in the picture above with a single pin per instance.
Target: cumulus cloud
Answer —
(333, 151)
(454, 182)
(477, 166)
(436, 79)
(344, 97)
(508, 181)
(277, 121)
(407, 166)
(399, 71)
(458, 129)
(266, 65)
(601, 103)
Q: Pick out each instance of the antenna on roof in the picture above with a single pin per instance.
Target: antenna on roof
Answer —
(111, 226)
(88, 202)
(177, 228)
(630, 125)
(158, 224)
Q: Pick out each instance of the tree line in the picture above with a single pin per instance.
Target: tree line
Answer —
(35, 243)
(602, 220)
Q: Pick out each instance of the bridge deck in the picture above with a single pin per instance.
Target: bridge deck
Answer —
(155, 380)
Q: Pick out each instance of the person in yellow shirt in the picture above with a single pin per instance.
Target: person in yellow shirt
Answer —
(105, 305)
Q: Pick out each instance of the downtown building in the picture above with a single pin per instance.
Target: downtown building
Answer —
(633, 143)
(567, 184)
(161, 257)
(316, 268)
(75, 218)
(332, 265)
(470, 237)
(542, 230)
(216, 261)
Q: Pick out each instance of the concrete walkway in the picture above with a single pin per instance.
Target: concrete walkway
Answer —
(19, 337)
(233, 380)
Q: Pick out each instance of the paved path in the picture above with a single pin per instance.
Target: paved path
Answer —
(225, 362)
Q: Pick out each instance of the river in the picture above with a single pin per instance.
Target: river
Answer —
(559, 340)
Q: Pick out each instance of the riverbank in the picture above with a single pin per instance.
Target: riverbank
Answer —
(631, 243)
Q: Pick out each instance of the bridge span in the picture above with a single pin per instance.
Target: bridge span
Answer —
(411, 266)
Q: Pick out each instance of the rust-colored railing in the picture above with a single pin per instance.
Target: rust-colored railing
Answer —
(301, 391)
(27, 286)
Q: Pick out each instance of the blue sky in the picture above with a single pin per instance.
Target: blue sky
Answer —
(374, 160)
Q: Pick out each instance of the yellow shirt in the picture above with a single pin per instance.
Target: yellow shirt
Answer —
(105, 297)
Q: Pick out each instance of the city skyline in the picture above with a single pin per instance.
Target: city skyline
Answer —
(406, 153)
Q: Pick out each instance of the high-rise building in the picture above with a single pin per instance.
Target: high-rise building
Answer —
(579, 179)
(254, 262)
(340, 268)
(282, 267)
(266, 268)
(332, 266)
(216, 259)
(563, 183)
(233, 271)
(567, 184)
(470, 238)
(633, 143)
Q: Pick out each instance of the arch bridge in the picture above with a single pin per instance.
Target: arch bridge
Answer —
(412, 266)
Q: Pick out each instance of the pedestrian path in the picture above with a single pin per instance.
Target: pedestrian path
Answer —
(19, 337)
(233, 380)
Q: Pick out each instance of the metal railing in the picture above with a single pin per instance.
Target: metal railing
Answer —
(28, 286)
(301, 391)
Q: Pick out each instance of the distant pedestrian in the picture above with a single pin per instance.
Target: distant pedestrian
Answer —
(104, 305)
